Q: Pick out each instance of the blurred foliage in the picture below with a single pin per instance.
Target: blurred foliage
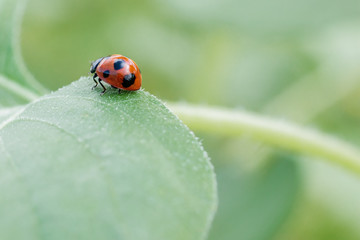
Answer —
(299, 60)
(252, 208)
(328, 227)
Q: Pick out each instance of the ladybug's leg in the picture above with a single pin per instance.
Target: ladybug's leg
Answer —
(120, 90)
(96, 83)
(102, 87)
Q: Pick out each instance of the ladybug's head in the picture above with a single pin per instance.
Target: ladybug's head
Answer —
(94, 65)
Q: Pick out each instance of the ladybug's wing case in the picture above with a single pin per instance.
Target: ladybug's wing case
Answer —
(120, 72)
(136, 78)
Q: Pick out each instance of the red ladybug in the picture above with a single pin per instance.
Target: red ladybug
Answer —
(118, 71)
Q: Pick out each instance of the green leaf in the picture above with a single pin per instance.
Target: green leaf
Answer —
(254, 206)
(77, 165)
(16, 83)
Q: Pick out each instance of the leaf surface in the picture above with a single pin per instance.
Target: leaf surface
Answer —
(77, 165)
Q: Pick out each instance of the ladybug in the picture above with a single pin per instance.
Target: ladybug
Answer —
(118, 71)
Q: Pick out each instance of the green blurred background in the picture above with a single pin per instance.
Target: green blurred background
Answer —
(294, 60)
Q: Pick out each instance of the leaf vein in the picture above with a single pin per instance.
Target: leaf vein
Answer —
(86, 147)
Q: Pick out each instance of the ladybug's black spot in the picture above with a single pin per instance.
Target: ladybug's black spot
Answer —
(129, 80)
(106, 73)
(119, 64)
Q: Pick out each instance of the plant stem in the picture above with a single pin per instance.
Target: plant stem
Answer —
(273, 131)
(17, 89)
